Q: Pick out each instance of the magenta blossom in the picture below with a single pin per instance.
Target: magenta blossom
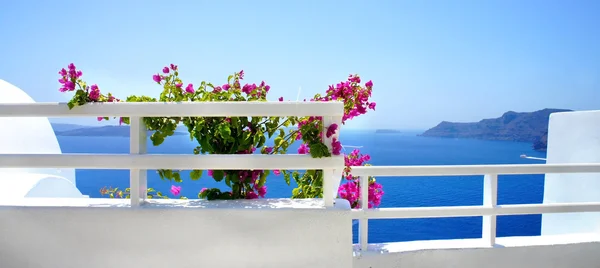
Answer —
(175, 190)
(276, 172)
(303, 149)
(166, 70)
(251, 195)
(280, 98)
(156, 78)
(179, 84)
(336, 147)
(372, 106)
(190, 89)
(331, 130)
(262, 191)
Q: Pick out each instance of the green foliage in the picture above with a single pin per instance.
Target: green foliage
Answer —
(226, 135)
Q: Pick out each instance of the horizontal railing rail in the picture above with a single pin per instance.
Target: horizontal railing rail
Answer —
(467, 170)
(490, 208)
(159, 109)
(170, 161)
(138, 161)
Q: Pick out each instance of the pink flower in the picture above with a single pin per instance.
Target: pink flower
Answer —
(210, 172)
(226, 87)
(262, 191)
(190, 89)
(269, 150)
(251, 195)
(203, 189)
(331, 130)
(94, 93)
(280, 98)
(369, 84)
(156, 78)
(303, 149)
(242, 74)
(173, 67)
(100, 118)
(336, 147)
(179, 85)
(166, 70)
(372, 105)
(276, 172)
(175, 190)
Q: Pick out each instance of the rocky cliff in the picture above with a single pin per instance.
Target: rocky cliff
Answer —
(511, 126)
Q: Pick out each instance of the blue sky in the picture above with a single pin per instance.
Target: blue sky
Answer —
(429, 60)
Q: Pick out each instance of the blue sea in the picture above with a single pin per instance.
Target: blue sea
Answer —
(385, 149)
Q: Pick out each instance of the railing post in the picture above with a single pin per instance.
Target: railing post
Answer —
(328, 175)
(363, 222)
(138, 181)
(490, 199)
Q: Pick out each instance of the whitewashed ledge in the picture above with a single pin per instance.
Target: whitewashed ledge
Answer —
(80, 232)
(566, 250)
(269, 203)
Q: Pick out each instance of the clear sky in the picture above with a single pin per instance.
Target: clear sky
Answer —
(429, 60)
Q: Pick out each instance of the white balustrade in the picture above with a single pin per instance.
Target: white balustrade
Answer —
(138, 161)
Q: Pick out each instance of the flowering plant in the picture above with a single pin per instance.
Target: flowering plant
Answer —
(242, 135)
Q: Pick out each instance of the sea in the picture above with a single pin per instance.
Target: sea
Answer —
(405, 148)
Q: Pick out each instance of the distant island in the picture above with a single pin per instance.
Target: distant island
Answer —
(511, 126)
(100, 131)
(387, 131)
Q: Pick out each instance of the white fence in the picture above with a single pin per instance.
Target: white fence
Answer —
(490, 208)
(139, 162)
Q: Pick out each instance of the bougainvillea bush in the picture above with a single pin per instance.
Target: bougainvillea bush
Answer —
(242, 135)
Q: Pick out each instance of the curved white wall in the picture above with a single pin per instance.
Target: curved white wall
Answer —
(15, 185)
(573, 137)
(28, 135)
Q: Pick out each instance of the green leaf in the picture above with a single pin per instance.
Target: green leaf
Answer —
(177, 177)
(224, 131)
(218, 175)
(262, 141)
(286, 177)
(263, 179)
(195, 174)
(228, 180)
(205, 145)
(278, 141)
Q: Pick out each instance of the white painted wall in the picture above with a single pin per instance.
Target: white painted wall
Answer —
(28, 134)
(16, 185)
(573, 137)
(573, 251)
(79, 232)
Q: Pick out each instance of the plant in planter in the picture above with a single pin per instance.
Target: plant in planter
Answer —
(242, 135)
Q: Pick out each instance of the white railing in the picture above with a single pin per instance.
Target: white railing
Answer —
(138, 162)
(490, 208)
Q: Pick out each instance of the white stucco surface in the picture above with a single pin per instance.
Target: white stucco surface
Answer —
(28, 135)
(79, 232)
(561, 251)
(16, 185)
(573, 137)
